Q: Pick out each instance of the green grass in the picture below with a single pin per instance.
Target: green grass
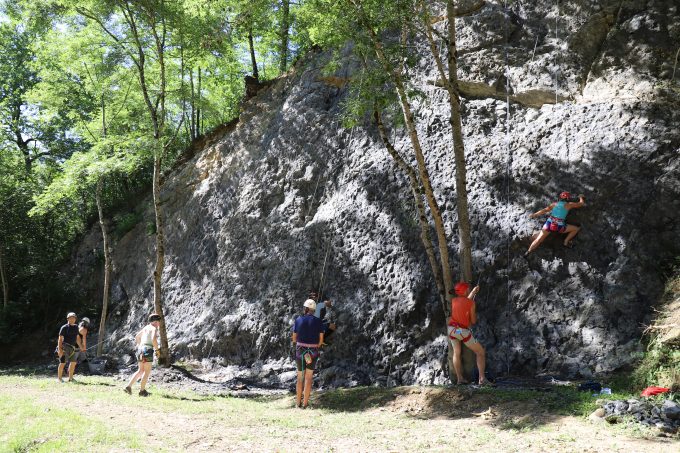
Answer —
(39, 414)
(30, 426)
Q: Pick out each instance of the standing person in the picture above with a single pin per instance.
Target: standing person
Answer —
(83, 330)
(327, 316)
(557, 221)
(146, 341)
(463, 316)
(307, 337)
(68, 345)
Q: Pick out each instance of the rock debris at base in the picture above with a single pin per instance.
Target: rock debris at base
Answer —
(664, 415)
(252, 217)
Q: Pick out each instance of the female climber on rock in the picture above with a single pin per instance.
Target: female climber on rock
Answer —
(556, 222)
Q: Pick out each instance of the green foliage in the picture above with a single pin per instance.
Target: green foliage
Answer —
(660, 366)
(125, 223)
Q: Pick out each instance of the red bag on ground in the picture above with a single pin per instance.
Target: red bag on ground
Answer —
(650, 391)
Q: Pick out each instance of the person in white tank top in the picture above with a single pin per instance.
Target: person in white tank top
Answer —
(147, 342)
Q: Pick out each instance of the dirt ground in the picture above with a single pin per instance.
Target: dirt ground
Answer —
(347, 420)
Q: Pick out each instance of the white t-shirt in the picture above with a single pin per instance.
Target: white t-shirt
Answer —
(147, 335)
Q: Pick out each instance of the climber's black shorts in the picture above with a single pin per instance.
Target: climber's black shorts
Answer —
(306, 358)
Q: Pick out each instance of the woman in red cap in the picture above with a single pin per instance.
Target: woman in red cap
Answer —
(556, 222)
(464, 315)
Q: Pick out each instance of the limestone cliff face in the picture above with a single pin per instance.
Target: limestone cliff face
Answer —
(255, 217)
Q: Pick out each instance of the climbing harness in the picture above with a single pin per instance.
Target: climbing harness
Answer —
(306, 353)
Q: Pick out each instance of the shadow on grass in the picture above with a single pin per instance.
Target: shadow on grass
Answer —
(195, 399)
(504, 408)
(103, 384)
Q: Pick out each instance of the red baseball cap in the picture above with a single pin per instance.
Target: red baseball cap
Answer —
(462, 288)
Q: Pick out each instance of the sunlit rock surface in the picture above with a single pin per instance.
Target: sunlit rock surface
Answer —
(255, 218)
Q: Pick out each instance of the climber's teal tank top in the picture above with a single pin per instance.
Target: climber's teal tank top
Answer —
(560, 210)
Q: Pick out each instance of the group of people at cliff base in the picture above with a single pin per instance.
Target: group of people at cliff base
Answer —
(71, 345)
(72, 349)
(317, 323)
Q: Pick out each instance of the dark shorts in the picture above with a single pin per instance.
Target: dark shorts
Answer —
(70, 354)
(554, 226)
(306, 358)
(145, 353)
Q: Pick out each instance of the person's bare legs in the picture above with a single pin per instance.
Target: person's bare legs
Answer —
(146, 369)
(309, 377)
(60, 371)
(71, 370)
(298, 388)
(572, 231)
(135, 377)
(481, 359)
(457, 362)
(542, 235)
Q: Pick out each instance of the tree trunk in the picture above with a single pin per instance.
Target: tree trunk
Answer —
(450, 82)
(107, 268)
(192, 126)
(417, 191)
(164, 358)
(198, 106)
(251, 45)
(464, 230)
(5, 283)
(285, 28)
(420, 159)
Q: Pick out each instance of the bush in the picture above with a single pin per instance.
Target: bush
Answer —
(125, 223)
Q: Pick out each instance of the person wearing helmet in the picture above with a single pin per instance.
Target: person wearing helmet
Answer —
(83, 329)
(146, 341)
(556, 222)
(463, 316)
(307, 337)
(68, 344)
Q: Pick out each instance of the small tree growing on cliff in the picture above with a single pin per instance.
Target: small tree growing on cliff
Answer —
(103, 84)
(141, 30)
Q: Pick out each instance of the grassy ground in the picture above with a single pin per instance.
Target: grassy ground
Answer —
(39, 414)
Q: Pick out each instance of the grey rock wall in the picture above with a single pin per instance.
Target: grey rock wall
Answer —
(252, 219)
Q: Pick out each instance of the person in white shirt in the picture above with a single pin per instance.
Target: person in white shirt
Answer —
(147, 342)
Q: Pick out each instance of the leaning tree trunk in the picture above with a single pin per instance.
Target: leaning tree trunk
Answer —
(164, 358)
(285, 30)
(107, 269)
(423, 172)
(417, 191)
(253, 61)
(5, 283)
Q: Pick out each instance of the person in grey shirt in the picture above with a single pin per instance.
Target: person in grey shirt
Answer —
(327, 314)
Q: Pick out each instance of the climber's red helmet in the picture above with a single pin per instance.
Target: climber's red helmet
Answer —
(565, 196)
(461, 289)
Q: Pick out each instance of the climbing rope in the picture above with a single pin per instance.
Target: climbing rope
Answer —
(508, 164)
(507, 144)
(323, 193)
